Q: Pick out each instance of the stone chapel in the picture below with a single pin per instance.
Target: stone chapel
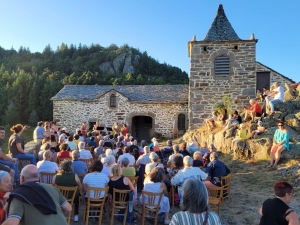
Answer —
(220, 64)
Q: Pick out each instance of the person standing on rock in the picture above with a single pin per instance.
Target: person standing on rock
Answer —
(280, 144)
(276, 210)
(277, 95)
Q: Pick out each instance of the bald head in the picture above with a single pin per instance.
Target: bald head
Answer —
(29, 173)
(47, 155)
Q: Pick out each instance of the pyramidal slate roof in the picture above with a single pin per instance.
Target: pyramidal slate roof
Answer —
(221, 29)
(135, 93)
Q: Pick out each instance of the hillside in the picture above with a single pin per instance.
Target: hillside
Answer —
(28, 80)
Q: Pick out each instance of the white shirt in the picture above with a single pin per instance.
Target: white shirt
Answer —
(85, 154)
(97, 180)
(191, 172)
(128, 156)
(280, 94)
(47, 166)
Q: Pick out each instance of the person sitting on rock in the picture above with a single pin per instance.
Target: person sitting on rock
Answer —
(234, 119)
(223, 116)
(253, 111)
(258, 95)
(241, 135)
(280, 144)
(277, 95)
(259, 130)
(211, 121)
(265, 93)
(193, 145)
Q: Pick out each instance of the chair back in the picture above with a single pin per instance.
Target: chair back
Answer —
(59, 160)
(88, 162)
(226, 181)
(119, 197)
(47, 177)
(68, 192)
(215, 195)
(97, 193)
(151, 200)
(133, 180)
(90, 148)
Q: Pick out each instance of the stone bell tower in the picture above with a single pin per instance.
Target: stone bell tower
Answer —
(221, 64)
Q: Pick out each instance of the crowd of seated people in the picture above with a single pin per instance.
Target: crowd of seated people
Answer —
(118, 158)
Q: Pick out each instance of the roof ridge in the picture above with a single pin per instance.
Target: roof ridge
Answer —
(221, 29)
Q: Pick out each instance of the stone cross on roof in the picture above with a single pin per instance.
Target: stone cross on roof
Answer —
(221, 29)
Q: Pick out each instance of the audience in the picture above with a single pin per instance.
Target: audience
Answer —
(187, 172)
(78, 165)
(253, 111)
(66, 177)
(127, 171)
(128, 156)
(108, 164)
(84, 154)
(176, 153)
(280, 144)
(277, 210)
(215, 170)
(194, 205)
(154, 183)
(176, 165)
(154, 163)
(64, 151)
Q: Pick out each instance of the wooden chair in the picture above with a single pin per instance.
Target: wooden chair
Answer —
(119, 204)
(150, 204)
(90, 148)
(47, 177)
(81, 176)
(87, 162)
(59, 160)
(69, 193)
(226, 184)
(215, 196)
(96, 202)
(133, 181)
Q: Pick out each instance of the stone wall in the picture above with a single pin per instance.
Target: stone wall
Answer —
(274, 76)
(72, 113)
(206, 89)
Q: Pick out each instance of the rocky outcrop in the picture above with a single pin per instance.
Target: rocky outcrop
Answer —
(122, 64)
(260, 147)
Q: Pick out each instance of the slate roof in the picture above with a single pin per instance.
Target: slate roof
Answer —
(292, 81)
(221, 29)
(135, 93)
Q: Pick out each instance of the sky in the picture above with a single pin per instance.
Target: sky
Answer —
(160, 27)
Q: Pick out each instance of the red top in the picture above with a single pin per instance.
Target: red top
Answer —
(2, 211)
(65, 154)
(125, 131)
(256, 107)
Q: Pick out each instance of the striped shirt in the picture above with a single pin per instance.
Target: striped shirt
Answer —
(183, 218)
(96, 180)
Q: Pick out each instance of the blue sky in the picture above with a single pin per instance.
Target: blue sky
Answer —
(160, 27)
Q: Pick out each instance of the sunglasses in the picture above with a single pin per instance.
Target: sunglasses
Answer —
(280, 125)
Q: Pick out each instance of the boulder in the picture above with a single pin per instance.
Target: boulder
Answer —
(293, 153)
(292, 121)
(289, 93)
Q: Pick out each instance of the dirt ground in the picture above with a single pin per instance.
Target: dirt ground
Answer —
(252, 184)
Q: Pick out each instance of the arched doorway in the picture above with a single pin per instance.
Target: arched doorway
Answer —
(141, 126)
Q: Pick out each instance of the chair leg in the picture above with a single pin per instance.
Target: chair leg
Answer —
(112, 215)
(125, 215)
(100, 215)
(143, 217)
(155, 220)
(87, 216)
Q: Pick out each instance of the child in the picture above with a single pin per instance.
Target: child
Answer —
(241, 135)
(258, 95)
(211, 121)
(259, 130)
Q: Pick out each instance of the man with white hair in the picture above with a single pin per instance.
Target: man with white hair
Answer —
(128, 156)
(277, 95)
(46, 165)
(145, 158)
(176, 153)
(84, 154)
(188, 172)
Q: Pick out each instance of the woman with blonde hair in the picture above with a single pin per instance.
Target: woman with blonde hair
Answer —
(16, 144)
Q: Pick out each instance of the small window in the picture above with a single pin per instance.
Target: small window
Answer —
(113, 101)
(181, 122)
(222, 66)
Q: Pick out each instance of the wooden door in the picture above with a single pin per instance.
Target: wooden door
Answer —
(262, 80)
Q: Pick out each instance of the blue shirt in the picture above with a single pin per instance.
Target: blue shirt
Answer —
(79, 167)
(217, 168)
(38, 132)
